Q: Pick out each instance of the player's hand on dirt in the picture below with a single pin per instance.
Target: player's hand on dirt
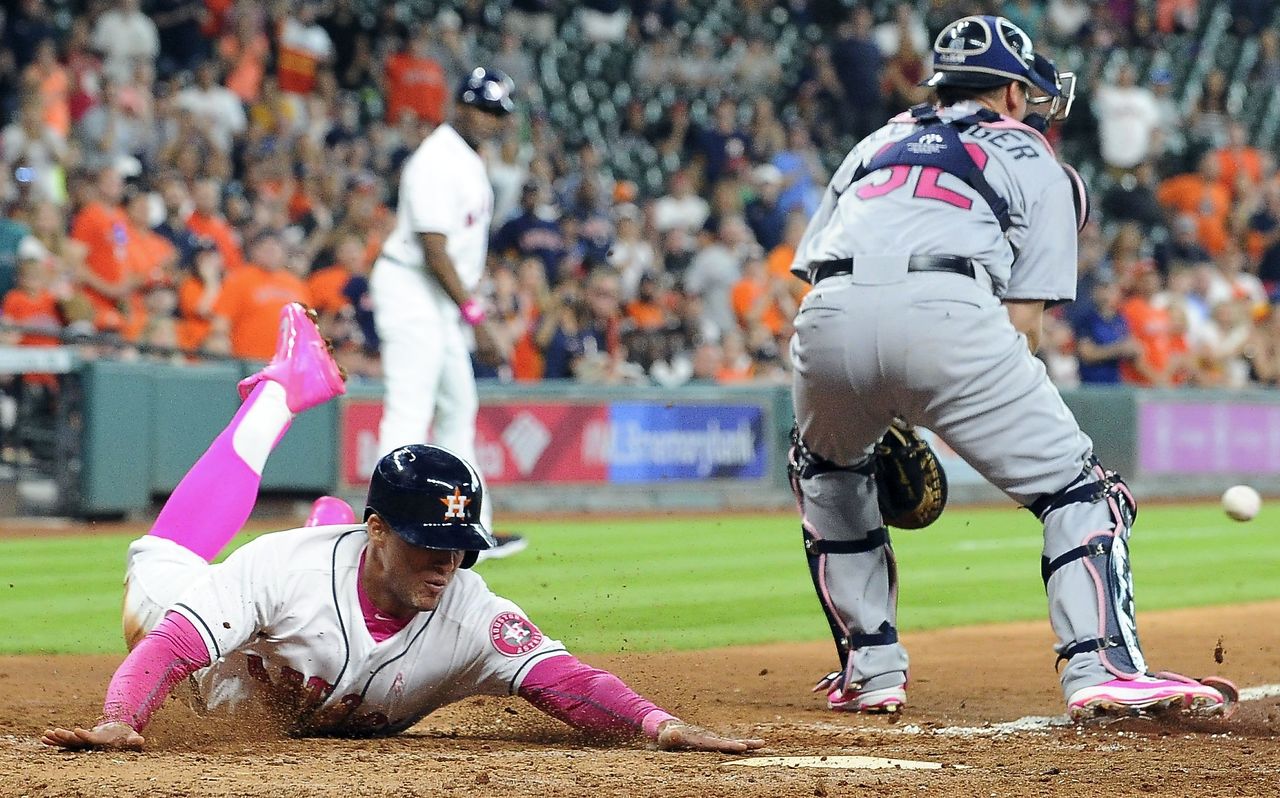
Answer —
(676, 735)
(116, 735)
(491, 348)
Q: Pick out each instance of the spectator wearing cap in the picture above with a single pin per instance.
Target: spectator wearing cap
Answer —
(415, 82)
(197, 294)
(31, 303)
(248, 308)
(206, 221)
(1103, 340)
(763, 212)
(632, 256)
(101, 226)
(534, 232)
(125, 35)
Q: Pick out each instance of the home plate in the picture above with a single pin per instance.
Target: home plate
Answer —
(840, 762)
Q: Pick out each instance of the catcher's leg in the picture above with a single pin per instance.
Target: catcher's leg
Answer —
(998, 410)
(1090, 587)
(854, 572)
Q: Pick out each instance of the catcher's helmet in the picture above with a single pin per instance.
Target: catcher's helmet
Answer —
(489, 90)
(985, 52)
(431, 498)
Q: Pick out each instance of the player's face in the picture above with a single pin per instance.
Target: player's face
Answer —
(413, 578)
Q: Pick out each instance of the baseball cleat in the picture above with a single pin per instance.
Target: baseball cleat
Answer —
(330, 510)
(303, 363)
(883, 701)
(1154, 694)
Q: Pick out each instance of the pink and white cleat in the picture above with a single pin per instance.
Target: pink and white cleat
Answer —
(302, 363)
(882, 701)
(1212, 697)
(330, 510)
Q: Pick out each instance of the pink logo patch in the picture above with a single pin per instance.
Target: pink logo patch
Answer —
(513, 635)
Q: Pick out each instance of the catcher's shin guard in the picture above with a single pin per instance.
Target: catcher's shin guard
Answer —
(853, 569)
(1086, 572)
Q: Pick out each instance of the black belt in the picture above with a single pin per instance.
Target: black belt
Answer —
(916, 263)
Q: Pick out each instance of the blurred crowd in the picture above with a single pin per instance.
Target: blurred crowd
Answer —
(174, 171)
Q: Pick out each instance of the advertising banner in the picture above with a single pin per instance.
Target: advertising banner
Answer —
(1195, 438)
(621, 443)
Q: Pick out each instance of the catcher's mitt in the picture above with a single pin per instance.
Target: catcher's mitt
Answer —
(909, 479)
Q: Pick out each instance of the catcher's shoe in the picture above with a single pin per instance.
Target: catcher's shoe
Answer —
(1153, 694)
(302, 363)
(882, 701)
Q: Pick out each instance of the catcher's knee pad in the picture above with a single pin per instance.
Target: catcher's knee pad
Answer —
(1088, 523)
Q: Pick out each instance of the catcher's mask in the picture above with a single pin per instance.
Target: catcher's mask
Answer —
(431, 498)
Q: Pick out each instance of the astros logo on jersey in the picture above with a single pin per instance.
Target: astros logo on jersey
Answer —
(455, 504)
(514, 635)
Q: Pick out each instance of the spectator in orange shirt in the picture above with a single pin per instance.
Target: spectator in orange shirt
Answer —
(151, 256)
(327, 285)
(248, 309)
(1202, 195)
(759, 299)
(207, 221)
(646, 311)
(197, 294)
(103, 229)
(1240, 164)
(415, 81)
(30, 303)
(1162, 359)
(781, 256)
(52, 82)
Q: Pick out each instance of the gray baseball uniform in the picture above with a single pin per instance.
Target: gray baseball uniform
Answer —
(895, 327)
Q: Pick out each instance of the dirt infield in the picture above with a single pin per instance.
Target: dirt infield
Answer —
(964, 681)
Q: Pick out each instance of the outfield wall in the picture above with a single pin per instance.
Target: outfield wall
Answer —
(552, 447)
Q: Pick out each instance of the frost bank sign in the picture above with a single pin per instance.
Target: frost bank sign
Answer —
(653, 442)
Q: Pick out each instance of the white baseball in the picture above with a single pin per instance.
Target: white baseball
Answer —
(1241, 502)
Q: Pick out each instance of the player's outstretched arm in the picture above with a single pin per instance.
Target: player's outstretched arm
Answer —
(114, 735)
(676, 735)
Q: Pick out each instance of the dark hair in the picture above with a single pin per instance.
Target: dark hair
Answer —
(950, 95)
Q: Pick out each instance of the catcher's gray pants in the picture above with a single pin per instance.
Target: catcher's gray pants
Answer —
(937, 349)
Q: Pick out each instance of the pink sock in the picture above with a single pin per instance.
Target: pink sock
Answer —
(214, 499)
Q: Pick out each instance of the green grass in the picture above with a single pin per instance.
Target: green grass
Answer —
(610, 585)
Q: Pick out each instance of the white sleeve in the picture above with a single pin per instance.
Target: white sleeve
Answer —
(1046, 264)
(235, 599)
(425, 192)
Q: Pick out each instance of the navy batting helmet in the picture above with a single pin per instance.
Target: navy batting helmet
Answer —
(985, 52)
(431, 498)
(487, 89)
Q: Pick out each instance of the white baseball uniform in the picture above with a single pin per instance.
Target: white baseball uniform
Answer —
(426, 361)
(281, 620)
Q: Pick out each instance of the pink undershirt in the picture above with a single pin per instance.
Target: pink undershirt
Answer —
(584, 697)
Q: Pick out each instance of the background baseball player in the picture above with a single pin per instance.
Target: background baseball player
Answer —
(342, 629)
(423, 282)
(937, 246)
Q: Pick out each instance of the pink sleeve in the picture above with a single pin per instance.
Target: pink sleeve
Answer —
(590, 699)
(168, 654)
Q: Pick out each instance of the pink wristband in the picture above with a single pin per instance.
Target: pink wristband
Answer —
(472, 311)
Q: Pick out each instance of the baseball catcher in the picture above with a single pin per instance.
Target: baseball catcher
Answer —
(344, 628)
(938, 244)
